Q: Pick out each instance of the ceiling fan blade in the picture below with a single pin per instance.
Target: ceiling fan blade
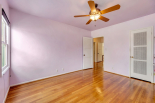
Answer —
(92, 6)
(88, 21)
(113, 8)
(81, 15)
(104, 18)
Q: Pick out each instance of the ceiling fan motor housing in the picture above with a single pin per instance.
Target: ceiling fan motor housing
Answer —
(97, 10)
(96, 5)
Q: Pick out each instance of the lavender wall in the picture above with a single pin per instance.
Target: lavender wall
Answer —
(4, 86)
(117, 43)
(5, 6)
(40, 46)
(4, 80)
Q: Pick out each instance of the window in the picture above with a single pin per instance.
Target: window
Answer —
(5, 47)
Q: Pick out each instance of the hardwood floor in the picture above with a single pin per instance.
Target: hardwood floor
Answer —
(86, 86)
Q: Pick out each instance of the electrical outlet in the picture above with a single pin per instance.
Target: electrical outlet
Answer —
(62, 69)
(57, 70)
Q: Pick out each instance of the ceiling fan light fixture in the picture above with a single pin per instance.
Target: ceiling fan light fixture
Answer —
(94, 17)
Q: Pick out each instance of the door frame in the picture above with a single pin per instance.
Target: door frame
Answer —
(94, 59)
(152, 34)
(103, 48)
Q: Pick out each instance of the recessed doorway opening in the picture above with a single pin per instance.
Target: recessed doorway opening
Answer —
(98, 52)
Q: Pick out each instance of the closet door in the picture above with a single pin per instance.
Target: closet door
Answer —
(142, 54)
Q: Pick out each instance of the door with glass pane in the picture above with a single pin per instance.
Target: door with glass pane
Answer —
(142, 54)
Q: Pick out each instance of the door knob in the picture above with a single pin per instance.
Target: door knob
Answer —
(131, 56)
(84, 55)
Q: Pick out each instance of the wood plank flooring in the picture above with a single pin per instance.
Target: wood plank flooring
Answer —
(86, 86)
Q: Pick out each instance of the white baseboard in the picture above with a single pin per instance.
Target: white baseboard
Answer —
(6, 95)
(54, 76)
(117, 74)
(41, 78)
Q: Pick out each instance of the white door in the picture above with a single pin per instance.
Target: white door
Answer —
(87, 52)
(142, 54)
(99, 52)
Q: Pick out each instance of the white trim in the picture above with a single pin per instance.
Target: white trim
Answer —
(43, 78)
(117, 73)
(152, 33)
(130, 54)
(5, 70)
(7, 43)
(6, 95)
(59, 75)
(0, 40)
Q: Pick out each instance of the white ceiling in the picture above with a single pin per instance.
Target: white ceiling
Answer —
(64, 10)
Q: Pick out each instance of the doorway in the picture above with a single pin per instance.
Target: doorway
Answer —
(98, 52)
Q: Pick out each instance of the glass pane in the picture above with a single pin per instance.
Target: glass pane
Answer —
(3, 30)
(4, 55)
(7, 34)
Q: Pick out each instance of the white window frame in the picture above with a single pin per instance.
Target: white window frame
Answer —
(7, 43)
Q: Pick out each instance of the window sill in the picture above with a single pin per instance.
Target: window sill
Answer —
(5, 70)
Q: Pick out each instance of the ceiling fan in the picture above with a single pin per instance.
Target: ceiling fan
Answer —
(96, 13)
